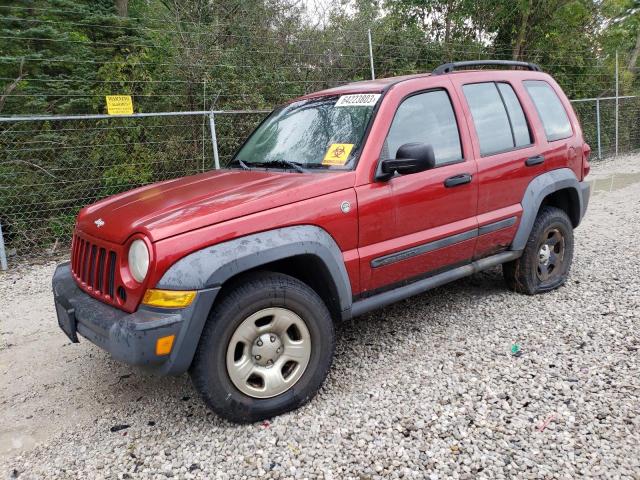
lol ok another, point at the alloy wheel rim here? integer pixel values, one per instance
(551, 252)
(268, 352)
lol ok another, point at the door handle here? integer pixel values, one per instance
(456, 180)
(537, 160)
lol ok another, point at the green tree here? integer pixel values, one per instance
(64, 54)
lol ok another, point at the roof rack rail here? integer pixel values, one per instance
(450, 67)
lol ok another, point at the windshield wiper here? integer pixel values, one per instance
(283, 164)
(237, 161)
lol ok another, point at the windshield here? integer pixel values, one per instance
(321, 133)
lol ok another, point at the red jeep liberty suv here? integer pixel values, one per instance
(340, 202)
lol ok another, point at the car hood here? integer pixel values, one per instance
(165, 209)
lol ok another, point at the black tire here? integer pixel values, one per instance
(247, 296)
(528, 274)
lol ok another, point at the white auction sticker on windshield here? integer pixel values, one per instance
(358, 100)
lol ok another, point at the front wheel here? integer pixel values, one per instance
(266, 348)
(546, 259)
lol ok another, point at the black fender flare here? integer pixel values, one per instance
(212, 266)
(539, 188)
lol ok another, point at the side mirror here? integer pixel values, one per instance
(410, 158)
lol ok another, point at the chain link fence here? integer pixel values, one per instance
(52, 167)
(64, 60)
(606, 132)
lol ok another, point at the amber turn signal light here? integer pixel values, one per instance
(168, 298)
(164, 345)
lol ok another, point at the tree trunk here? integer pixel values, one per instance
(633, 60)
(122, 7)
(12, 86)
(447, 31)
(522, 31)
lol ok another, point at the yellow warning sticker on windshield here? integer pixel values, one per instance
(337, 154)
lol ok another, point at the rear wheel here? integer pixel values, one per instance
(266, 348)
(546, 259)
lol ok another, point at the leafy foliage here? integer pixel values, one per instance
(64, 56)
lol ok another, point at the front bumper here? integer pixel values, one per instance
(131, 337)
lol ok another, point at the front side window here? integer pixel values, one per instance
(321, 133)
(550, 110)
(426, 118)
(497, 116)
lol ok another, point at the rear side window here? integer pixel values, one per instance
(550, 110)
(498, 117)
(426, 118)
(521, 133)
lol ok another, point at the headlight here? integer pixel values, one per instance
(138, 260)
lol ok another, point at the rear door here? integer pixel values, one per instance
(562, 143)
(508, 158)
(414, 225)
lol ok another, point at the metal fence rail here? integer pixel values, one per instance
(51, 166)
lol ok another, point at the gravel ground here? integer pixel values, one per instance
(427, 388)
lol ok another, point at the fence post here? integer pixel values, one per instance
(204, 125)
(598, 128)
(214, 140)
(373, 73)
(617, 103)
(3, 253)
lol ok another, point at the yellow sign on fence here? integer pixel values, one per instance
(119, 104)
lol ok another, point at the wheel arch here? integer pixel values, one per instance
(307, 268)
(306, 252)
(566, 199)
(559, 188)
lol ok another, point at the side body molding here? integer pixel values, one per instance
(538, 189)
(212, 266)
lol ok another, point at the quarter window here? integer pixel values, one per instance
(550, 110)
(497, 116)
(426, 118)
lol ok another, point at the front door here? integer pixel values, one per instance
(415, 225)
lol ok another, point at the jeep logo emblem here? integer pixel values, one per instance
(99, 223)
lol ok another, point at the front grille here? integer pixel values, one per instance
(94, 267)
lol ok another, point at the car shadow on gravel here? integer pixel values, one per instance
(122, 391)
(478, 286)
(393, 330)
